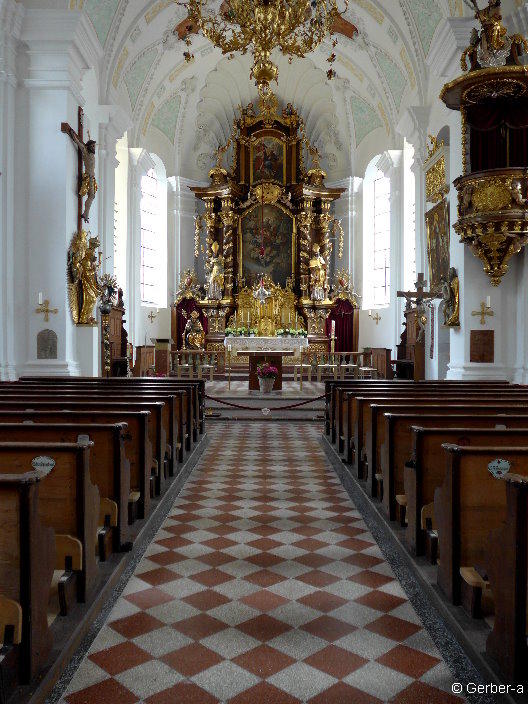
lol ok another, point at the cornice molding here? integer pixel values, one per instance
(449, 41)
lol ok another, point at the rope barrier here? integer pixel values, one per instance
(266, 410)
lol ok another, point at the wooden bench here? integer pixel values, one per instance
(424, 471)
(27, 559)
(469, 504)
(49, 401)
(393, 448)
(68, 502)
(368, 435)
(507, 568)
(184, 429)
(138, 448)
(109, 470)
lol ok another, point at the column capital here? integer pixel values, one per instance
(413, 126)
(11, 14)
(450, 39)
(61, 46)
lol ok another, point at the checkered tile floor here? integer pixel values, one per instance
(262, 586)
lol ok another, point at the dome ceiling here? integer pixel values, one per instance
(184, 110)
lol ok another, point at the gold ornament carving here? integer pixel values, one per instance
(84, 287)
(435, 181)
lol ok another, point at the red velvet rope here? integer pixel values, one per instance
(276, 408)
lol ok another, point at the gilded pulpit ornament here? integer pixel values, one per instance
(451, 299)
(193, 334)
(189, 286)
(294, 27)
(492, 97)
(84, 287)
(215, 286)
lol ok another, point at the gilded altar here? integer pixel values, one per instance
(266, 231)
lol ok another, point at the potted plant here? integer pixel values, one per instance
(228, 332)
(252, 332)
(266, 375)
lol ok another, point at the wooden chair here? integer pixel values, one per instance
(330, 366)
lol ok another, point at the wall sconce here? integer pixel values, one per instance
(376, 318)
(152, 316)
(485, 309)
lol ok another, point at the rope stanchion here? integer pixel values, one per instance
(275, 408)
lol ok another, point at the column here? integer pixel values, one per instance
(11, 14)
(185, 212)
(61, 45)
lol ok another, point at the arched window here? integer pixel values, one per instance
(409, 230)
(153, 268)
(376, 244)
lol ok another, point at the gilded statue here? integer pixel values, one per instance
(451, 299)
(492, 46)
(84, 287)
(193, 334)
(215, 286)
(318, 275)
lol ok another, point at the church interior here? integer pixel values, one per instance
(263, 425)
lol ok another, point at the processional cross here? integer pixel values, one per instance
(87, 185)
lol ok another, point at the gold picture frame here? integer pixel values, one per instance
(254, 143)
(438, 236)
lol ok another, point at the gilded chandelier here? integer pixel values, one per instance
(295, 27)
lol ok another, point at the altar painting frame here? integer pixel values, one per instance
(437, 227)
(258, 137)
(293, 237)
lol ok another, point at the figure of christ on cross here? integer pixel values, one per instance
(419, 296)
(86, 158)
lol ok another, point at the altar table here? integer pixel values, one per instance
(272, 357)
(268, 344)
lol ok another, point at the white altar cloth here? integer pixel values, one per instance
(280, 344)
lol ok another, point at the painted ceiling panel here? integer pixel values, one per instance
(101, 14)
(136, 74)
(166, 117)
(394, 76)
(366, 119)
(427, 16)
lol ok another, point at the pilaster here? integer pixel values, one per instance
(60, 46)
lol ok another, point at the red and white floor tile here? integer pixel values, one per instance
(263, 586)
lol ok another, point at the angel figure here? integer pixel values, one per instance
(83, 286)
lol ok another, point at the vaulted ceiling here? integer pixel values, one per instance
(184, 110)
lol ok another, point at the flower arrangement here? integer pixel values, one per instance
(267, 371)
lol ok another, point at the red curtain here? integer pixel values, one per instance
(187, 305)
(498, 135)
(343, 314)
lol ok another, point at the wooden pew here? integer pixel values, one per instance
(423, 472)
(363, 407)
(109, 470)
(469, 504)
(68, 502)
(394, 438)
(195, 388)
(27, 559)
(334, 390)
(182, 404)
(10, 401)
(138, 449)
(507, 568)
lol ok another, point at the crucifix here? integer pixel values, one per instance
(419, 295)
(483, 312)
(87, 185)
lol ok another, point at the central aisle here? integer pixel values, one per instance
(263, 586)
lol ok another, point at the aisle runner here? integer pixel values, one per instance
(263, 586)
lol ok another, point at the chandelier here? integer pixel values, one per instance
(295, 27)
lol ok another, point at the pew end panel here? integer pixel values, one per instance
(507, 569)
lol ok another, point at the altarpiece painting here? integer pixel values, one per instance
(268, 160)
(272, 228)
(437, 227)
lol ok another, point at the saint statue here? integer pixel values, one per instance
(450, 296)
(193, 334)
(493, 31)
(215, 286)
(318, 275)
(84, 287)
(88, 182)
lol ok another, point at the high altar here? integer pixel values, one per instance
(269, 236)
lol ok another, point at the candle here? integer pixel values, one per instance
(333, 328)
(296, 320)
(370, 314)
(488, 302)
(289, 318)
(40, 298)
